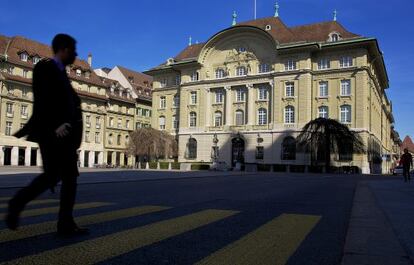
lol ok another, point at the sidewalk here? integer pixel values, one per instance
(381, 227)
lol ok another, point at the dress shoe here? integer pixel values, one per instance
(72, 231)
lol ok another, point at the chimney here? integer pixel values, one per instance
(90, 59)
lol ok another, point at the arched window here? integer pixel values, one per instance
(110, 138)
(346, 114)
(289, 114)
(218, 119)
(118, 140)
(289, 148)
(239, 118)
(323, 112)
(262, 116)
(335, 37)
(241, 71)
(193, 119)
(191, 150)
(162, 122)
(220, 73)
(126, 140)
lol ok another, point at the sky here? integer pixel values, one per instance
(141, 34)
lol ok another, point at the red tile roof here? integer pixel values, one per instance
(282, 34)
(408, 143)
(141, 83)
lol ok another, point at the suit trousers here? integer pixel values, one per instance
(59, 164)
(406, 172)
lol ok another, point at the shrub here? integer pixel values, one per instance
(263, 167)
(175, 165)
(153, 165)
(164, 165)
(200, 166)
(279, 168)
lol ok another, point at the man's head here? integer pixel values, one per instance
(405, 150)
(64, 47)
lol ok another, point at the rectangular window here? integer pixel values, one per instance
(119, 123)
(176, 101)
(163, 82)
(138, 125)
(345, 87)
(88, 121)
(111, 122)
(23, 57)
(163, 102)
(259, 152)
(323, 64)
(175, 122)
(239, 118)
(240, 95)
(241, 71)
(177, 80)
(139, 112)
(323, 89)
(290, 65)
(24, 92)
(194, 76)
(98, 122)
(25, 72)
(290, 89)
(219, 96)
(162, 123)
(127, 124)
(24, 111)
(346, 114)
(97, 137)
(345, 61)
(8, 127)
(193, 97)
(9, 109)
(262, 93)
(87, 136)
(264, 68)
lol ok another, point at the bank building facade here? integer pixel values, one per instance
(244, 95)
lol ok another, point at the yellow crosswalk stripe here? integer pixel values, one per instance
(49, 210)
(3, 199)
(106, 247)
(35, 202)
(272, 243)
(50, 227)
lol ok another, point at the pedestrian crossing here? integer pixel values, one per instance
(271, 243)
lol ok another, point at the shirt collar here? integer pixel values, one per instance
(59, 64)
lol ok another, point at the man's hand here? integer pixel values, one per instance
(63, 130)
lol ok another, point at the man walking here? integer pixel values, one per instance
(56, 125)
(406, 161)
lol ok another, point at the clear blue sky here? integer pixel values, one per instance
(143, 33)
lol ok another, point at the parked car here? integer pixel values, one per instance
(398, 170)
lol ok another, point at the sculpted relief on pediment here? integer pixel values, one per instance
(236, 56)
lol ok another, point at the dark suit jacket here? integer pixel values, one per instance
(55, 103)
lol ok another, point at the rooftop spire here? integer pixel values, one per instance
(190, 41)
(335, 13)
(234, 19)
(276, 9)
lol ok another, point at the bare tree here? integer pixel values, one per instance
(152, 143)
(328, 136)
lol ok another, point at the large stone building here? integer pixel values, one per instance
(109, 108)
(245, 94)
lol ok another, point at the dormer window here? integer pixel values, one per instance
(268, 27)
(170, 61)
(241, 71)
(334, 37)
(36, 59)
(220, 73)
(23, 56)
(131, 79)
(241, 49)
(78, 72)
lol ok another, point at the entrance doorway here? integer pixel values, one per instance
(7, 156)
(22, 153)
(86, 160)
(237, 151)
(33, 157)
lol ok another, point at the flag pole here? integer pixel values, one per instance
(255, 9)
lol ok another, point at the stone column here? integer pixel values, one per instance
(15, 156)
(39, 161)
(250, 105)
(1, 155)
(208, 108)
(91, 158)
(121, 158)
(82, 158)
(27, 154)
(229, 107)
(101, 158)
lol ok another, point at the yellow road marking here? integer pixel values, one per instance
(49, 210)
(106, 247)
(272, 243)
(50, 227)
(35, 202)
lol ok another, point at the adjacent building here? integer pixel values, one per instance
(109, 107)
(245, 93)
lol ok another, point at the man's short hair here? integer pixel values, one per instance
(62, 41)
(405, 149)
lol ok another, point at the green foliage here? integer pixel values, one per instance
(153, 165)
(164, 165)
(175, 165)
(200, 166)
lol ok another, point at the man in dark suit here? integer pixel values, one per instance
(56, 125)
